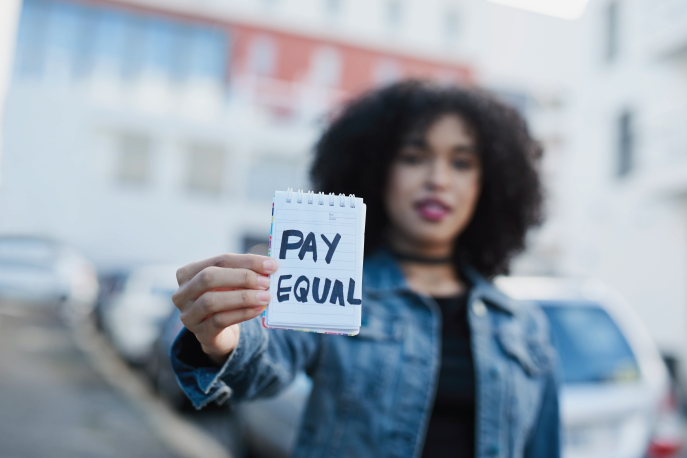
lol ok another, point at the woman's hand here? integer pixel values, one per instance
(217, 294)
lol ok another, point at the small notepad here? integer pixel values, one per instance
(317, 240)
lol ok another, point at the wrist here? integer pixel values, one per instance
(217, 358)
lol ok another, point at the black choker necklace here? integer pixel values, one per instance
(421, 259)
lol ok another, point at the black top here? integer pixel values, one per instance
(451, 431)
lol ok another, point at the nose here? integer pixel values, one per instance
(437, 175)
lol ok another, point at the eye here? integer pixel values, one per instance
(462, 164)
(411, 156)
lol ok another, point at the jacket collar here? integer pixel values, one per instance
(383, 274)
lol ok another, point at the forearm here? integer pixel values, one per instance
(263, 362)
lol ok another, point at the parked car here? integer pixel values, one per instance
(134, 311)
(43, 272)
(159, 367)
(617, 400)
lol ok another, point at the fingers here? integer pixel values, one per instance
(217, 302)
(211, 327)
(259, 264)
(213, 278)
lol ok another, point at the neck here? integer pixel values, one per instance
(428, 270)
(411, 249)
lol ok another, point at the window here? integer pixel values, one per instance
(205, 169)
(109, 42)
(612, 32)
(59, 40)
(626, 141)
(262, 56)
(451, 26)
(332, 7)
(31, 39)
(275, 173)
(62, 39)
(134, 159)
(591, 347)
(393, 13)
(207, 54)
(256, 245)
(385, 72)
(325, 66)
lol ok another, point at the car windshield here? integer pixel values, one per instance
(591, 347)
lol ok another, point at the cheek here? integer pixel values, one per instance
(468, 195)
(401, 187)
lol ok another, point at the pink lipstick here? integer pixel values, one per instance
(432, 209)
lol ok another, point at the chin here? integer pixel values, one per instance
(431, 238)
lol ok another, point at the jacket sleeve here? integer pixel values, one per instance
(264, 362)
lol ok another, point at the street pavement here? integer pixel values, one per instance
(54, 404)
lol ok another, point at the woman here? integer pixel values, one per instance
(444, 365)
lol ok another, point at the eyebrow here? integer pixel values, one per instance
(415, 141)
(420, 142)
(465, 149)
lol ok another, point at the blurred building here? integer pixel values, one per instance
(158, 131)
(9, 15)
(622, 177)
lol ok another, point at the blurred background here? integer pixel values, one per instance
(139, 135)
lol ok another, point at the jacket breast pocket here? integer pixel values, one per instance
(528, 351)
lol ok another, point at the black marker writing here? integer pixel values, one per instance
(285, 245)
(351, 290)
(331, 246)
(308, 245)
(337, 293)
(316, 290)
(301, 294)
(283, 297)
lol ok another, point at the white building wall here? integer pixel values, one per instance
(630, 231)
(9, 15)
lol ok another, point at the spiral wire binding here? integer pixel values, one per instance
(320, 199)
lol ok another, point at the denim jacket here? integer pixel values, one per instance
(373, 394)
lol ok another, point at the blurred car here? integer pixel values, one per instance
(159, 367)
(617, 400)
(43, 272)
(133, 312)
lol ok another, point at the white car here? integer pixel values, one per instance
(133, 316)
(617, 400)
(42, 272)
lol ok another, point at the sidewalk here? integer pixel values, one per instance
(61, 402)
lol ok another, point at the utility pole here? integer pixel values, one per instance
(9, 19)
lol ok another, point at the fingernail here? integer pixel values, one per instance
(264, 281)
(269, 265)
(260, 308)
(262, 296)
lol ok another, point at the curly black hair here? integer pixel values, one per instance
(354, 154)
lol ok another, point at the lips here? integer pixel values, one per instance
(432, 209)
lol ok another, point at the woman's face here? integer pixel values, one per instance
(433, 187)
